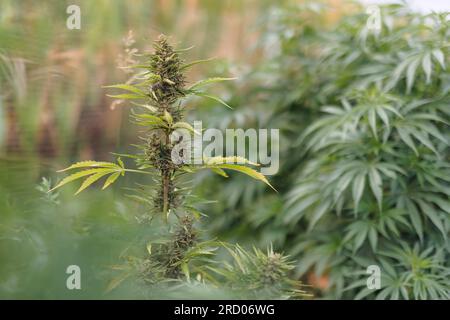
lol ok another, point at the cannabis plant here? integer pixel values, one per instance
(157, 90)
(376, 184)
(366, 177)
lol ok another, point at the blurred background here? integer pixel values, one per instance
(54, 111)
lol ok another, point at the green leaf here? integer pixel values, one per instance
(376, 186)
(429, 116)
(230, 159)
(138, 66)
(433, 131)
(360, 236)
(220, 172)
(185, 125)
(406, 138)
(78, 175)
(120, 162)
(373, 238)
(431, 213)
(318, 213)
(193, 63)
(90, 163)
(383, 116)
(427, 67)
(201, 94)
(397, 74)
(410, 74)
(185, 269)
(111, 179)
(126, 96)
(205, 82)
(168, 118)
(99, 169)
(415, 218)
(423, 138)
(90, 180)
(373, 122)
(150, 108)
(358, 188)
(183, 50)
(363, 293)
(115, 282)
(145, 119)
(439, 56)
(127, 87)
(246, 170)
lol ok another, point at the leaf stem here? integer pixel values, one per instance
(137, 171)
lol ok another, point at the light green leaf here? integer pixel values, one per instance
(79, 175)
(185, 125)
(183, 50)
(111, 179)
(220, 172)
(127, 87)
(373, 122)
(427, 67)
(433, 131)
(358, 188)
(373, 238)
(185, 269)
(406, 138)
(376, 186)
(151, 108)
(423, 138)
(246, 170)
(415, 218)
(193, 63)
(205, 82)
(230, 159)
(383, 116)
(168, 117)
(90, 163)
(145, 119)
(410, 74)
(201, 94)
(126, 96)
(437, 53)
(99, 169)
(318, 213)
(431, 213)
(90, 180)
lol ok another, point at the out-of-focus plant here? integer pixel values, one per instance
(157, 89)
(376, 182)
(66, 107)
(366, 177)
(44, 187)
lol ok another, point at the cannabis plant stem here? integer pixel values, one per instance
(165, 173)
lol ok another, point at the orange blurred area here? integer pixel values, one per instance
(54, 105)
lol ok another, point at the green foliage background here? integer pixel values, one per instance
(365, 158)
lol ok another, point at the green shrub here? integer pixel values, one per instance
(365, 172)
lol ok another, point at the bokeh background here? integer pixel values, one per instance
(53, 111)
